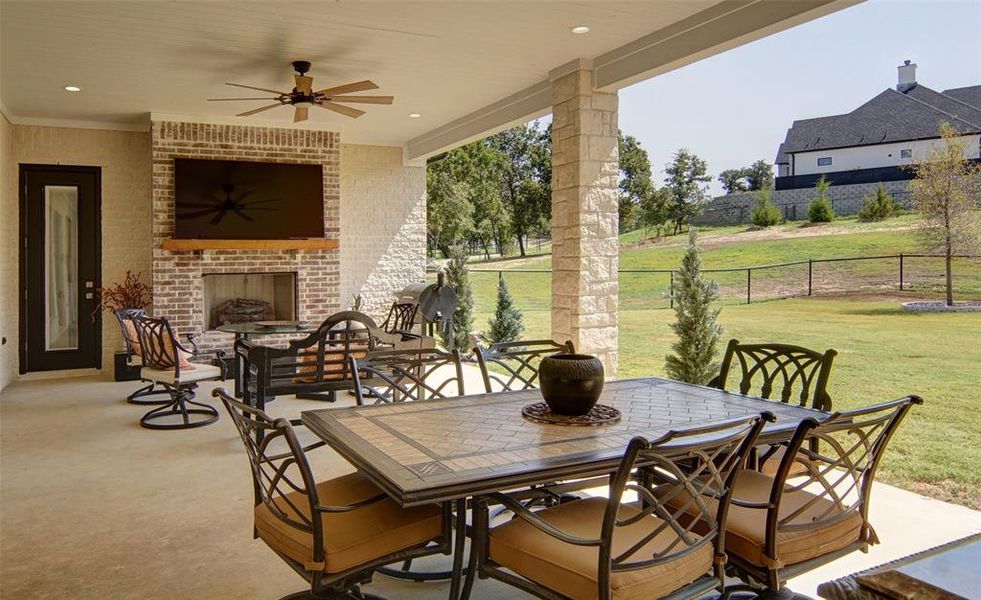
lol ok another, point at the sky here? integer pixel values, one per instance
(735, 108)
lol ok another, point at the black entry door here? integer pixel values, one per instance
(60, 268)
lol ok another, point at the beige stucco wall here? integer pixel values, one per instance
(9, 224)
(125, 160)
(383, 225)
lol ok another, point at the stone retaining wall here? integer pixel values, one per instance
(734, 209)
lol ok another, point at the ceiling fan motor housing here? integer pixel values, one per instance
(301, 66)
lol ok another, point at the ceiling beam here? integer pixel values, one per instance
(714, 30)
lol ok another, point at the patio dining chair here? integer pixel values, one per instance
(620, 548)
(407, 375)
(784, 525)
(134, 357)
(509, 366)
(334, 533)
(165, 362)
(780, 371)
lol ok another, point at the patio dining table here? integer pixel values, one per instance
(454, 449)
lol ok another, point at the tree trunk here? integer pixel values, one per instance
(950, 278)
(521, 244)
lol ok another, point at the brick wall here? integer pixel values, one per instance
(177, 282)
(736, 208)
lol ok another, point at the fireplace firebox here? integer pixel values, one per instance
(242, 297)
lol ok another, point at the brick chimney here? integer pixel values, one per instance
(907, 77)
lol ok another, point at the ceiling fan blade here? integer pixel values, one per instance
(364, 99)
(360, 86)
(215, 205)
(340, 108)
(243, 215)
(197, 213)
(257, 110)
(221, 215)
(300, 114)
(304, 84)
(255, 202)
(236, 99)
(252, 87)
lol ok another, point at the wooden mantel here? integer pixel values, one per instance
(297, 244)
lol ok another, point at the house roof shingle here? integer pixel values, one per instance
(891, 116)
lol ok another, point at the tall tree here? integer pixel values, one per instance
(686, 180)
(733, 180)
(521, 189)
(635, 179)
(449, 211)
(693, 358)
(947, 192)
(759, 175)
(457, 335)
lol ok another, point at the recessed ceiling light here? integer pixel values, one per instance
(579, 29)
(414, 115)
(72, 88)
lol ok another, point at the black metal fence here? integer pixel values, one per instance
(853, 274)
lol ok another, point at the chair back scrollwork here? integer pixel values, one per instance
(122, 316)
(282, 478)
(509, 366)
(839, 476)
(766, 369)
(158, 344)
(407, 375)
(685, 483)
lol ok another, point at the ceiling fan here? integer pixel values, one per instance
(302, 96)
(223, 206)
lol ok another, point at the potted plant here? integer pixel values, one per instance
(130, 293)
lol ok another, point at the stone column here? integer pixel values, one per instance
(585, 247)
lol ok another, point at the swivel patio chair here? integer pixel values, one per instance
(401, 318)
(616, 548)
(334, 533)
(165, 362)
(134, 357)
(784, 525)
(508, 366)
(794, 372)
(407, 375)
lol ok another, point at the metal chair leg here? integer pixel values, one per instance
(147, 391)
(177, 407)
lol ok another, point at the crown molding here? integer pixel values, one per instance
(78, 124)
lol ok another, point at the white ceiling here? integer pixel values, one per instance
(441, 59)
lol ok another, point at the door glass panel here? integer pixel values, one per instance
(61, 267)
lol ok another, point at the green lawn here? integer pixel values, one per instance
(884, 353)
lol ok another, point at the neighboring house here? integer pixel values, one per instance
(874, 142)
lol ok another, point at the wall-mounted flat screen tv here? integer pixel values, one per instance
(236, 200)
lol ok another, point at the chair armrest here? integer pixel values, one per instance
(521, 512)
(352, 506)
(192, 340)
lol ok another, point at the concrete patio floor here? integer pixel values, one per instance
(93, 506)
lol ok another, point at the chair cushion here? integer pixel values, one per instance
(351, 538)
(773, 462)
(197, 372)
(131, 338)
(334, 366)
(573, 570)
(746, 527)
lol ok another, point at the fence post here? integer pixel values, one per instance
(810, 272)
(671, 289)
(900, 271)
(749, 286)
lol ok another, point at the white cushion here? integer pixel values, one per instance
(199, 372)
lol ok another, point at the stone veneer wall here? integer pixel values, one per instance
(177, 282)
(383, 225)
(124, 157)
(734, 209)
(8, 254)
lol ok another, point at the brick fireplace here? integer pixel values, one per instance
(178, 275)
